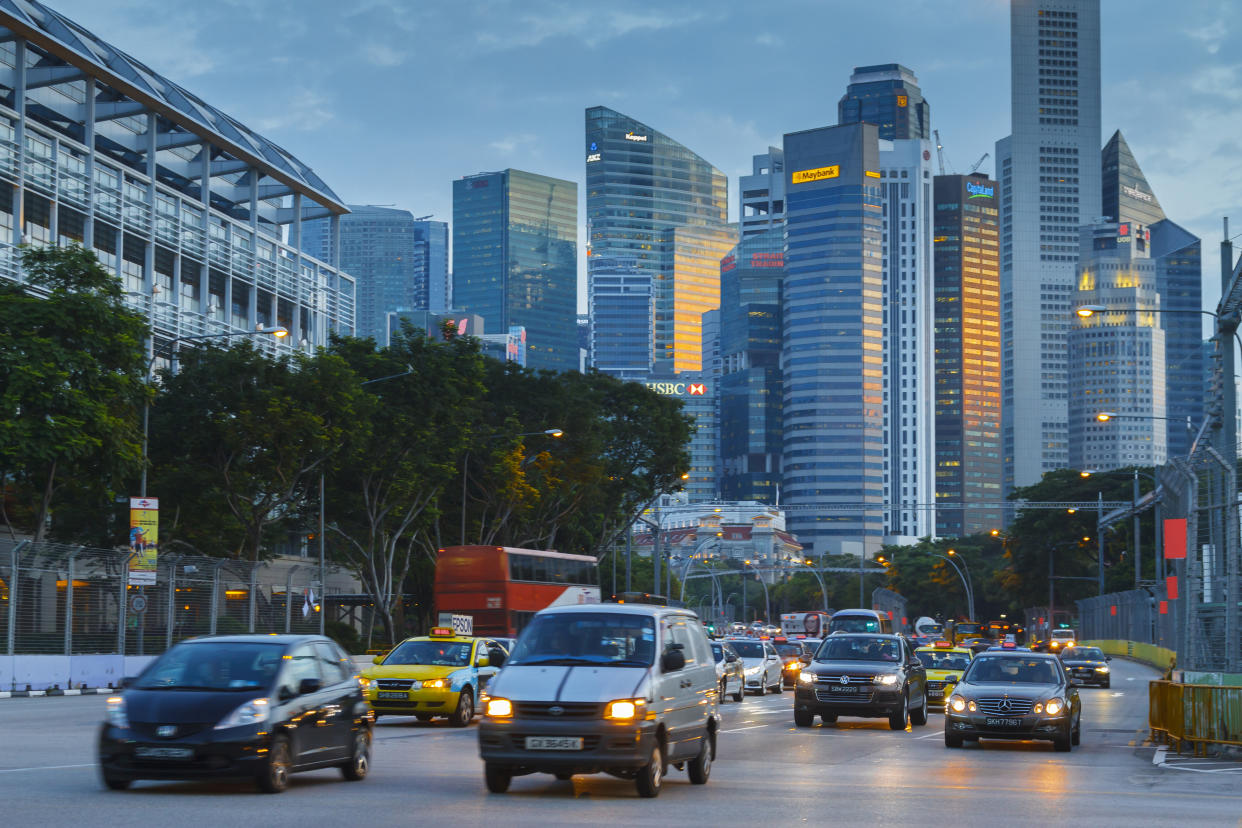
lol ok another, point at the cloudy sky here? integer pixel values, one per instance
(390, 100)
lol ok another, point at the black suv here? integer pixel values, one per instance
(862, 674)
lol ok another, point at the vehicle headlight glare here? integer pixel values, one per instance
(753, 671)
(622, 709)
(254, 711)
(364, 683)
(888, 680)
(116, 712)
(957, 704)
(437, 684)
(806, 678)
(1054, 706)
(499, 708)
(1101, 669)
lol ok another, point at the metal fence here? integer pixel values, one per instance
(1194, 715)
(891, 603)
(1141, 615)
(71, 600)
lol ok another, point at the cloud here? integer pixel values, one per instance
(511, 144)
(305, 110)
(590, 26)
(377, 54)
(1211, 35)
(769, 39)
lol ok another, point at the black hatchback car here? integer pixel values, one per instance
(242, 706)
(1087, 665)
(862, 674)
(1013, 694)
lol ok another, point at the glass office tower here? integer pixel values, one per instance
(887, 95)
(515, 260)
(642, 187)
(832, 348)
(967, 307)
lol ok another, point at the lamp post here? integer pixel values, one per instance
(767, 604)
(1158, 542)
(547, 432)
(970, 598)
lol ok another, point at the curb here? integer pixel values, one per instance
(28, 694)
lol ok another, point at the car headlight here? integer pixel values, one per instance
(957, 704)
(806, 678)
(116, 712)
(753, 671)
(437, 684)
(364, 683)
(1054, 706)
(498, 708)
(887, 680)
(624, 709)
(252, 712)
(1101, 669)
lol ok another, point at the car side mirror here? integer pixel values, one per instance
(308, 685)
(1108, 658)
(673, 659)
(950, 679)
(805, 659)
(731, 658)
(379, 659)
(481, 661)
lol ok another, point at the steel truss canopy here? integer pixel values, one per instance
(71, 77)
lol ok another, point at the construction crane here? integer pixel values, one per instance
(983, 158)
(939, 150)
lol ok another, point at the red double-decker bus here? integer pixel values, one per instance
(503, 587)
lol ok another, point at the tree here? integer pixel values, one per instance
(71, 384)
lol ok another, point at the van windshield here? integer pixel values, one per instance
(597, 638)
(854, 624)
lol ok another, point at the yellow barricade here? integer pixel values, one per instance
(1194, 714)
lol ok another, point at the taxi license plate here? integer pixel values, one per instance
(145, 752)
(554, 743)
(935, 694)
(994, 722)
(390, 694)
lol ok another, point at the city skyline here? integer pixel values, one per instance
(319, 109)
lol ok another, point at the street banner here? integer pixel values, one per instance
(1175, 539)
(144, 536)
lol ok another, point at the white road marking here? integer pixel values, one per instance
(1115, 695)
(46, 767)
(1158, 758)
(930, 736)
(739, 729)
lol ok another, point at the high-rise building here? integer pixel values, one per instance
(515, 260)
(832, 348)
(750, 386)
(697, 393)
(888, 96)
(189, 207)
(1117, 355)
(382, 249)
(432, 238)
(968, 344)
(763, 193)
(1049, 175)
(659, 211)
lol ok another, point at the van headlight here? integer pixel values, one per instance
(254, 711)
(116, 712)
(498, 708)
(1054, 706)
(624, 709)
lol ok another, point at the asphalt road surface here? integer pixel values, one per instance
(767, 773)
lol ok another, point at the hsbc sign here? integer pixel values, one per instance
(679, 389)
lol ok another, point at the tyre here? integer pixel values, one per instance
(803, 718)
(274, 777)
(1076, 736)
(720, 693)
(1064, 742)
(1107, 683)
(359, 763)
(741, 690)
(465, 709)
(828, 718)
(900, 714)
(651, 775)
(951, 741)
(779, 687)
(497, 777)
(763, 688)
(700, 767)
(919, 718)
(115, 783)
(423, 717)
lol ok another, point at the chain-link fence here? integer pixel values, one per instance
(1140, 615)
(71, 600)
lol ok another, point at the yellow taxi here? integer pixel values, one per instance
(945, 664)
(442, 674)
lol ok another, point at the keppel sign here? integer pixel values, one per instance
(629, 136)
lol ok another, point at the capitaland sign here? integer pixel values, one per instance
(817, 174)
(629, 136)
(979, 191)
(678, 389)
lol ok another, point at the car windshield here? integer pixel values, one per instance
(606, 638)
(748, 649)
(854, 624)
(1010, 670)
(969, 629)
(436, 653)
(932, 629)
(214, 665)
(789, 649)
(937, 660)
(859, 648)
(1084, 653)
(1065, 635)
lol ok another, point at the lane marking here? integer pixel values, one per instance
(740, 729)
(930, 736)
(46, 767)
(1159, 757)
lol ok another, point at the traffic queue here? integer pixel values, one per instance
(628, 689)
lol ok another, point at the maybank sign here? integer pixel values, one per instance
(978, 190)
(679, 389)
(817, 174)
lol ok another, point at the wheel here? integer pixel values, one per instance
(651, 775)
(115, 783)
(721, 692)
(465, 709)
(423, 717)
(1076, 736)
(951, 741)
(564, 776)
(741, 690)
(1108, 682)
(359, 762)
(779, 687)
(900, 716)
(763, 688)
(1064, 742)
(919, 718)
(700, 768)
(803, 718)
(274, 777)
(828, 718)
(497, 777)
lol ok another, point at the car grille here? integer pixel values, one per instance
(567, 710)
(1016, 707)
(936, 685)
(149, 730)
(827, 695)
(394, 684)
(822, 679)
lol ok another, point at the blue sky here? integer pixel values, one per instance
(390, 100)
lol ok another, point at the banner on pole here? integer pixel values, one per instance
(144, 536)
(1175, 539)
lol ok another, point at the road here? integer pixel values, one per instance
(768, 773)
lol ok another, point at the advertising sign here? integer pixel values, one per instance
(817, 174)
(144, 537)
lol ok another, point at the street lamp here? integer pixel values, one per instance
(1158, 543)
(970, 598)
(465, 460)
(970, 582)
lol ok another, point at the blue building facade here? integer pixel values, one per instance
(887, 95)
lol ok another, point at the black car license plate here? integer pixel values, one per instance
(390, 694)
(845, 689)
(151, 752)
(991, 721)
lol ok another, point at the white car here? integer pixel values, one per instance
(761, 664)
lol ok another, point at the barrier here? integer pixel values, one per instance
(1159, 657)
(1194, 714)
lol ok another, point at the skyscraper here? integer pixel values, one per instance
(515, 260)
(1049, 176)
(887, 95)
(432, 238)
(832, 348)
(968, 370)
(658, 210)
(762, 193)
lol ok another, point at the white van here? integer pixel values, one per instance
(625, 689)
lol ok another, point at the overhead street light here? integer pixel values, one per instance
(465, 460)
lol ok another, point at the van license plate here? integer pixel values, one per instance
(554, 743)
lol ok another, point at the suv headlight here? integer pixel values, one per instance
(624, 709)
(1101, 669)
(364, 683)
(116, 712)
(252, 712)
(806, 678)
(1054, 706)
(498, 708)
(887, 680)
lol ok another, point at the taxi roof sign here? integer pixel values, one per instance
(943, 645)
(442, 632)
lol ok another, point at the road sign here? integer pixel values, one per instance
(138, 603)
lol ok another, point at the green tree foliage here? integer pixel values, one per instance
(71, 389)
